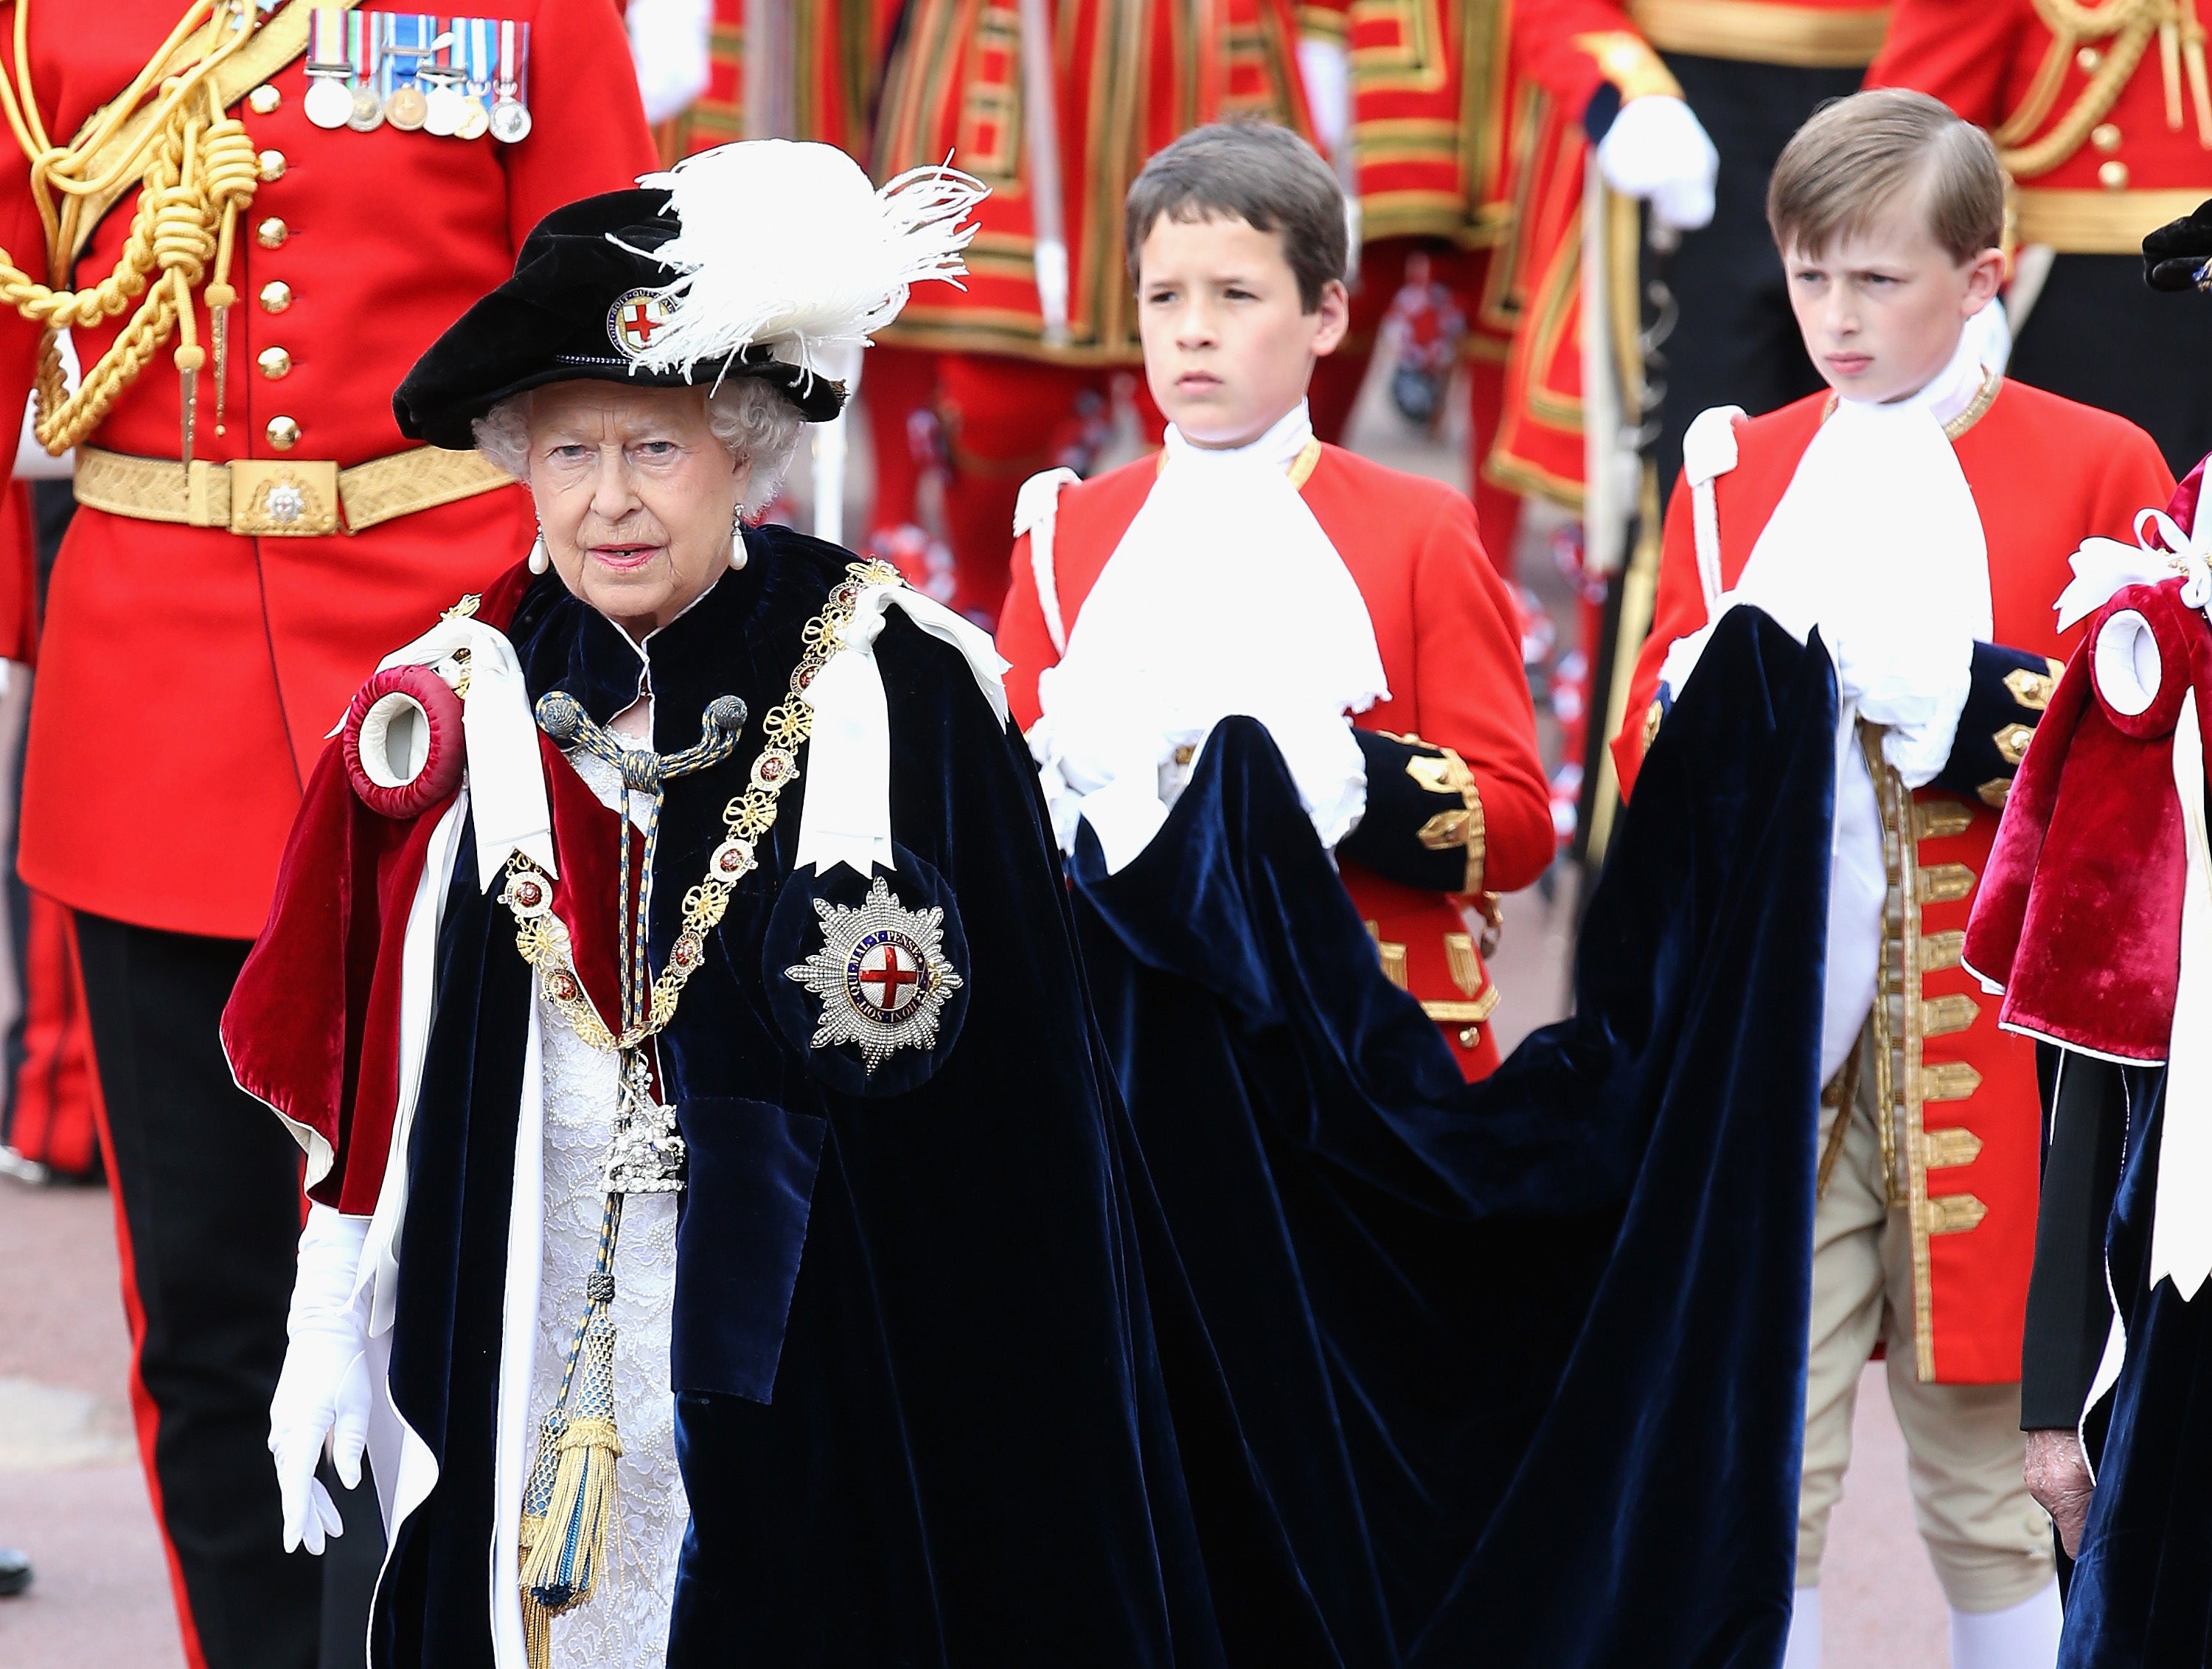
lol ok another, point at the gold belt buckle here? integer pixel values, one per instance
(284, 498)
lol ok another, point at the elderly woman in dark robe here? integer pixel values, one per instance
(720, 1240)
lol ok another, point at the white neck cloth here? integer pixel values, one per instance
(1223, 596)
(1878, 542)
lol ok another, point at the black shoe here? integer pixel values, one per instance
(14, 1572)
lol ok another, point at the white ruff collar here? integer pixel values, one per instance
(1223, 596)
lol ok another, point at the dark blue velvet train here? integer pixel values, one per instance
(2141, 1597)
(1520, 1365)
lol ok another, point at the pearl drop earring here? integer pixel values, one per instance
(540, 557)
(738, 540)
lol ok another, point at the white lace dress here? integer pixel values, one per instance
(624, 1625)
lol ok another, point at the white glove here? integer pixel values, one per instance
(323, 1394)
(1326, 68)
(1656, 150)
(1916, 686)
(668, 41)
(1684, 652)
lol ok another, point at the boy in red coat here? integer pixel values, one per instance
(1920, 514)
(1250, 568)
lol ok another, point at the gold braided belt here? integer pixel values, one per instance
(282, 497)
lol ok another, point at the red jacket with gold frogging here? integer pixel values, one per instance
(2045, 474)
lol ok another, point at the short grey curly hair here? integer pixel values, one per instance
(752, 419)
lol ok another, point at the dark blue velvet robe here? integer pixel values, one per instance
(1520, 1363)
(2141, 1597)
(968, 1458)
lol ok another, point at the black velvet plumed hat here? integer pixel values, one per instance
(747, 260)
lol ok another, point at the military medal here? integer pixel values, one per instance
(476, 119)
(881, 973)
(328, 103)
(441, 101)
(510, 115)
(361, 57)
(404, 107)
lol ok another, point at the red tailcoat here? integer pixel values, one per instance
(2045, 474)
(189, 675)
(1444, 624)
(2101, 152)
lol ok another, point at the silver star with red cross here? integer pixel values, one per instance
(881, 973)
(634, 319)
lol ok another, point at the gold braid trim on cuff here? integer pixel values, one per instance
(1463, 827)
(1626, 59)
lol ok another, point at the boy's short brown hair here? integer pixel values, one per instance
(1857, 155)
(1265, 176)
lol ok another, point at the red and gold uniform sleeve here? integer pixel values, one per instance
(1325, 19)
(1678, 610)
(1570, 48)
(1471, 694)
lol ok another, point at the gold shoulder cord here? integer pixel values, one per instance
(197, 169)
(2129, 26)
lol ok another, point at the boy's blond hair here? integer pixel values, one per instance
(1859, 154)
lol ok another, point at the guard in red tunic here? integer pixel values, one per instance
(291, 204)
(1922, 515)
(1376, 582)
(2103, 118)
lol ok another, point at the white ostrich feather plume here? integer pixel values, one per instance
(785, 244)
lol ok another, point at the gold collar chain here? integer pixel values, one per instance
(544, 941)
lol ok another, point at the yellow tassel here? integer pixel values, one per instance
(565, 1564)
(537, 1621)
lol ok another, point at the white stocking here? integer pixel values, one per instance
(1804, 1648)
(2023, 1636)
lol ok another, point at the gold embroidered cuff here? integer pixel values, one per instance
(1627, 61)
(1324, 23)
(1463, 827)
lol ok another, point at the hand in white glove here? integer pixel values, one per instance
(323, 1393)
(668, 42)
(1914, 683)
(1658, 150)
(1326, 68)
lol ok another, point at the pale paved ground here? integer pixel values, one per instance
(72, 1494)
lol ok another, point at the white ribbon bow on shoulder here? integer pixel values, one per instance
(847, 817)
(2104, 567)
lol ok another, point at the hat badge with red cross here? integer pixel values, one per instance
(636, 317)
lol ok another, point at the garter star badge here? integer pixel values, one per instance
(881, 975)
